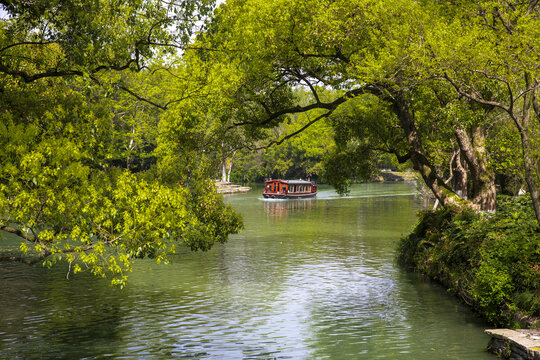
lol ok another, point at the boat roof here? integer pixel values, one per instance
(292, 182)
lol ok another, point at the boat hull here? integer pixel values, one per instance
(288, 196)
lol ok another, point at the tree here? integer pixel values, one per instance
(64, 122)
(61, 196)
(494, 62)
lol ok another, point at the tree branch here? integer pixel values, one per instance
(28, 78)
(401, 158)
(300, 109)
(532, 6)
(491, 77)
(139, 97)
(536, 106)
(475, 97)
(27, 43)
(507, 27)
(278, 142)
(47, 251)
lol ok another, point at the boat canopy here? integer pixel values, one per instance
(292, 182)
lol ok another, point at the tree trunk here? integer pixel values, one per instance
(229, 169)
(535, 89)
(129, 149)
(482, 191)
(531, 173)
(230, 165)
(523, 125)
(224, 168)
(460, 180)
(419, 160)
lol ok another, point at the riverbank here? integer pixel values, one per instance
(491, 261)
(515, 344)
(392, 176)
(230, 188)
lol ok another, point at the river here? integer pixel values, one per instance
(306, 279)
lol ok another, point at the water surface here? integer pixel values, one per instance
(306, 279)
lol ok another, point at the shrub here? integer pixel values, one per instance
(490, 261)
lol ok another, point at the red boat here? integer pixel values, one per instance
(289, 189)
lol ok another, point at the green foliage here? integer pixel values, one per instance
(346, 165)
(299, 156)
(364, 129)
(491, 261)
(60, 188)
(59, 38)
(390, 162)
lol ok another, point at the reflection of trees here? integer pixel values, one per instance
(46, 316)
(283, 208)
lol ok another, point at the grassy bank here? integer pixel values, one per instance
(491, 261)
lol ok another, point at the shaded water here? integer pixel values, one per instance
(306, 279)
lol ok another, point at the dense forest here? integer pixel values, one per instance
(118, 115)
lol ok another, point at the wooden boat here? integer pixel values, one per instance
(289, 189)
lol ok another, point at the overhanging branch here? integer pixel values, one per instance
(280, 141)
(331, 106)
(474, 97)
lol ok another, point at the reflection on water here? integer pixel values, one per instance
(281, 208)
(306, 279)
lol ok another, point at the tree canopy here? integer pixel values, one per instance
(117, 114)
(441, 81)
(86, 172)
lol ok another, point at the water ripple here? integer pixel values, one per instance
(305, 280)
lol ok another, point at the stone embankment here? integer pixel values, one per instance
(229, 188)
(515, 344)
(394, 176)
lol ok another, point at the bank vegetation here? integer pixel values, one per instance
(490, 261)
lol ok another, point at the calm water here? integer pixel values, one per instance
(306, 279)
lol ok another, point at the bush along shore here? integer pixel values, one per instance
(491, 261)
